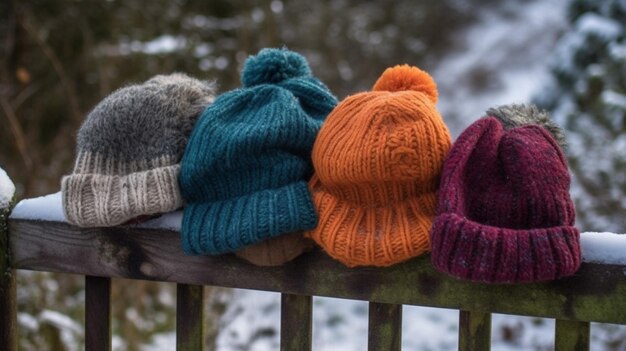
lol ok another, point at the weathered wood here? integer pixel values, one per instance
(296, 322)
(571, 335)
(97, 313)
(8, 309)
(189, 317)
(474, 331)
(385, 327)
(595, 293)
(8, 312)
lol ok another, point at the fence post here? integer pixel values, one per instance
(571, 335)
(8, 308)
(385, 327)
(474, 331)
(189, 317)
(296, 322)
(97, 313)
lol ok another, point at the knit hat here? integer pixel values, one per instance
(129, 149)
(505, 214)
(378, 159)
(277, 250)
(245, 170)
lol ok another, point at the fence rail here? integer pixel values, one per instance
(595, 293)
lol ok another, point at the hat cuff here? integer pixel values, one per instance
(98, 200)
(381, 236)
(229, 225)
(483, 253)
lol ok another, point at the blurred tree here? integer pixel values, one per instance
(587, 96)
(60, 58)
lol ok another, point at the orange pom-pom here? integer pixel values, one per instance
(405, 77)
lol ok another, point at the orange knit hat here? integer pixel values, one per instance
(378, 160)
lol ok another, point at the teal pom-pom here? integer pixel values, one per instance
(271, 66)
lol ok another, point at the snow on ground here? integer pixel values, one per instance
(7, 189)
(70, 330)
(253, 324)
(160, 342)
(27, 321)
(521, 333)
(338, 324)
(500, 60)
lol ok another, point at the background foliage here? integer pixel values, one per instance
(587, 96)
(60, 58)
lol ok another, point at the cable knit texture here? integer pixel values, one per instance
(245, 170)
(505, 214)
(378, 160)
(129, 149)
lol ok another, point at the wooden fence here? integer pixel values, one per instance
(596, 293)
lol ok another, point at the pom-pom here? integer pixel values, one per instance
(271, 66)
(513, 116)
(405, 77)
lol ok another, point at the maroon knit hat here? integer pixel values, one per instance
(505, 214)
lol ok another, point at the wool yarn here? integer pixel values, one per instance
(129, 149)
(245, 169)
(276, 251)
(377, 160)
(505, 214)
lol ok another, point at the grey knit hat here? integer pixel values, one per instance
(129, 149)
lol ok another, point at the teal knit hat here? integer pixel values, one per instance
(245, 169)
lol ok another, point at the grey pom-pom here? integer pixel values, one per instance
(515, 115)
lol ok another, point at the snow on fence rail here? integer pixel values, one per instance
(41, 240)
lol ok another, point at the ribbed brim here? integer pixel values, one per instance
(227, 226)
(478, 252)
(101, 200)
(373, 236)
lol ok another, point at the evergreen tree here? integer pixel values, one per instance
(587, 96)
